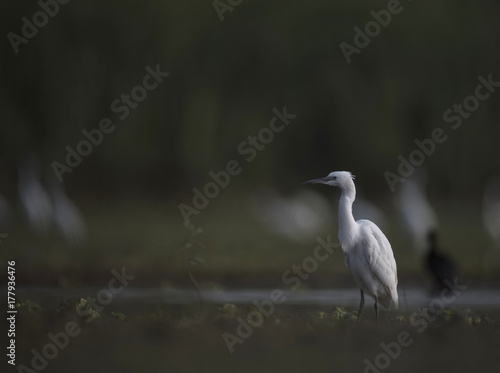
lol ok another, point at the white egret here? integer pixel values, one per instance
(367, 251)
(298, 217)
(34, 198)
(418, 215)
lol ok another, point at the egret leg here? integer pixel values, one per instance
(376, 309)
(361, 304)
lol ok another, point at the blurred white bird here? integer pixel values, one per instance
(35, 201)
(367, 251)
(68, 219)
(491, 209)
(45, 212)
(299, 217)
(418, 215)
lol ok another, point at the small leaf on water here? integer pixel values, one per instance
(229, 308)
(82, 305)
(118, 316)
(27, 307)
(401, 319)
(340, 313)
(322, 315)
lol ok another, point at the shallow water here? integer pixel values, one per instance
(137, 299)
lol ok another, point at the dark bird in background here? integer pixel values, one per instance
(441, 268)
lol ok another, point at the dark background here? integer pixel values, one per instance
(225, 79)
(227, 76)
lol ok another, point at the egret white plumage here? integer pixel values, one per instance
(298, 217)
(418, 215)
(34, 198)
(367, 251)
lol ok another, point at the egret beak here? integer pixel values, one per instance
(322, 180)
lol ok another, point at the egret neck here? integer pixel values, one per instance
(347, 225)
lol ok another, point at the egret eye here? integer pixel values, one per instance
(335, 178)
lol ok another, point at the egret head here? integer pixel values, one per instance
(341, 179)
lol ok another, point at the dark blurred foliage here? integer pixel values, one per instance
(226, 77)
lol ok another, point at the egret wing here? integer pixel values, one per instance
(346, 260)
(379, 255)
